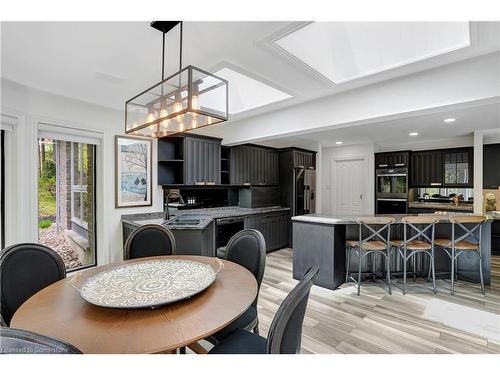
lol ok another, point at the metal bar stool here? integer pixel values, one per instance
(377, 241)
(419, 242)
(459, 245)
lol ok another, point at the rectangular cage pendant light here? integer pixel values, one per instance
(190, 99)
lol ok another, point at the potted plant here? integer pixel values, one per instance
(491, 200)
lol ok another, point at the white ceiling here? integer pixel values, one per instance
(395, 133)
(107, 63)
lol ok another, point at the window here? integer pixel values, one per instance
(66, 200)
(80, 204)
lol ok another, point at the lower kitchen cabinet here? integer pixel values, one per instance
(273, 226)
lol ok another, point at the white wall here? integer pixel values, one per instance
(328, 154)
(31, 106)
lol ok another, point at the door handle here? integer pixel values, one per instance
(360, 196)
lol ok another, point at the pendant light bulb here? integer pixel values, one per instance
(195, 100)
(178, 108)
(164, 113)
(151, 116)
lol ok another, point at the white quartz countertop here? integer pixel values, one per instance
(349, 219)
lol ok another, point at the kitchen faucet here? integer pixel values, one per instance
(181, 201)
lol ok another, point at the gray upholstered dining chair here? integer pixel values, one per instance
(149, 241)
(285, 332)
(25, 269)
(248, 249)
(18, 341)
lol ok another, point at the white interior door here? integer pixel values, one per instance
(349, 185)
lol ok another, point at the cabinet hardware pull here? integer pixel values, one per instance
(383, 165)
(399, 164)
(435, 183)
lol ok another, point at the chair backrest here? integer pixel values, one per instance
(469, 225)
(285, 333)
(17, 341)
(468, 219)
(24, 270)
(248, 249)
(421, 226)
(148, 241)
(377, 228)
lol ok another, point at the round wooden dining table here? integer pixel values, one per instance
(59, 311)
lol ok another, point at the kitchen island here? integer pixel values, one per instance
(320, 240)
(202, 233)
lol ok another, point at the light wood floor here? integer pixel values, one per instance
(375, 322)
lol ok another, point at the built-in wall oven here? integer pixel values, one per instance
(225, 229)
(391, 190)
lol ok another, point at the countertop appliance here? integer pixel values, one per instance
(391, 190)
(225, 229)
(304, 191)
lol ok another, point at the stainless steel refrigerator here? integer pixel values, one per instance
(304, 191)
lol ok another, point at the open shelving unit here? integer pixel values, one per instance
(171, 161)
(224, 165)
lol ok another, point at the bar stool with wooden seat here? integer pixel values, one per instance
(459, 245)
(419, 242)
(375, 242)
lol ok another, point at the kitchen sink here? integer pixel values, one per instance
(183, 220)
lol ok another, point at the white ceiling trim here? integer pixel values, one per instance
(269, 44)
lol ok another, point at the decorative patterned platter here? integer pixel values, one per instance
(148, 284)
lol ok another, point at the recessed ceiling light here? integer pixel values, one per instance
(339, 142)
(413, 134)
(449, 120)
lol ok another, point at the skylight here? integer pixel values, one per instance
(343, 51)
(246, 93)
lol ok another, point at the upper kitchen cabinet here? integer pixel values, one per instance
(491, 168)
(304, 159)
(398, 159)
(426, 168)
(253, 165)
(458, 167)
(446, 167)
(189, 160)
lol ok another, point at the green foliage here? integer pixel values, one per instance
(46, 197)
(43, 224)
(49, 169)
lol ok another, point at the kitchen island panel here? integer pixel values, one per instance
(315, 245)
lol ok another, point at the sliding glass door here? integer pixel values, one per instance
(66, 200)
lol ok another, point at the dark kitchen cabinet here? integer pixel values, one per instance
(458, 167)
(273, 226)
(202, 160)
(304, 159)
(491, 166)
(253, 165)
(400, 159)
(189, 160)
(426, 168)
